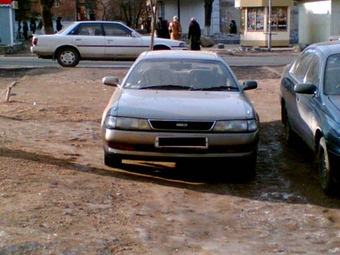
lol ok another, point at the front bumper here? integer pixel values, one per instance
(143, 145)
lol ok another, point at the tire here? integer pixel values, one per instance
(289, 134)
(112, 161)
(327, 181)
(68, 57)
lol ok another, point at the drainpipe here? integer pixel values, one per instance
(179, 10)
(11, 23)
(270, 26)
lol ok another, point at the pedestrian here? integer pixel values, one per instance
(59, 26)
(194, 35)
(232, 27)
(162, 28)
(175, 29)
(33, 26)
(25, 30)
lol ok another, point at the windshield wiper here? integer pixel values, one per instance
(218, 88)
(166, 87)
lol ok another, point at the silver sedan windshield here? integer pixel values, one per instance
(181, 74)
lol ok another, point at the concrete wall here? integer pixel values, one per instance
(228, 12)
(314, 22)
(188, 10)
(335, 24)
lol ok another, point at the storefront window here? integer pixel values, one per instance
(255, 19)
(279, 18)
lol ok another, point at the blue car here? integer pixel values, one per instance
(310, 107)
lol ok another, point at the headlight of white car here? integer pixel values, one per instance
(235, 126)
(112, 122)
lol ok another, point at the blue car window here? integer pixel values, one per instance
(332, 75)
(301, 65)
(313, 72)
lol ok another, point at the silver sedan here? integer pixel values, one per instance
(180, 105)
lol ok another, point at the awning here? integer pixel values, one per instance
(6, 1)
(258, 3)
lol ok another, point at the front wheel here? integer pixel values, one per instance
(327, 180)
(68, 57)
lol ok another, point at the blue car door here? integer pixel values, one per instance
(295, 103)
(307, 103)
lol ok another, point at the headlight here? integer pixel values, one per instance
(126, 123)
(235, 126)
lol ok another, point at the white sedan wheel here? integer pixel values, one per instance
(68, 57)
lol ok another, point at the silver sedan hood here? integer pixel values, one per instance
(188, 105)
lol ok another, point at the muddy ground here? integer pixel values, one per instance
(57, 197)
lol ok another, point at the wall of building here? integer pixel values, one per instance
(228, 12)
(314, 21)
(189, 10)
(65, 9)
(335, 24)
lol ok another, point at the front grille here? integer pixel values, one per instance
(179, 125)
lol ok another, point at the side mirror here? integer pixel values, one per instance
(249, 84)
(110, 81)
(305, 88)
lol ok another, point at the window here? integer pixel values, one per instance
(116, 30)
(88, 29)
(255, 19)
(332, 75)
(279, 18)
(313, 73)
(300, 67)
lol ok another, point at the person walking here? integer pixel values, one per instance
(194, 35)
(175, 29)
(59, 26)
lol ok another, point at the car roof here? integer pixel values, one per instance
(96, 21)
(180, 54)
(327, 47)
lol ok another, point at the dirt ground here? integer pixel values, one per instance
(57, 197)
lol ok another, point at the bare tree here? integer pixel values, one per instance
(46, 15)
(104, 7)
(207, 19)
(154, 10)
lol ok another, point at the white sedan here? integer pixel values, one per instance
(180, 105)
(97, 40)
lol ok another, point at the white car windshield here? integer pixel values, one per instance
(181, 74)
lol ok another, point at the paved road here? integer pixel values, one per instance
(34, 62)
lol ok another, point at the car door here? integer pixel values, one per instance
(89, 39)
(307, 104)
(293, 106)
(122, 42)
